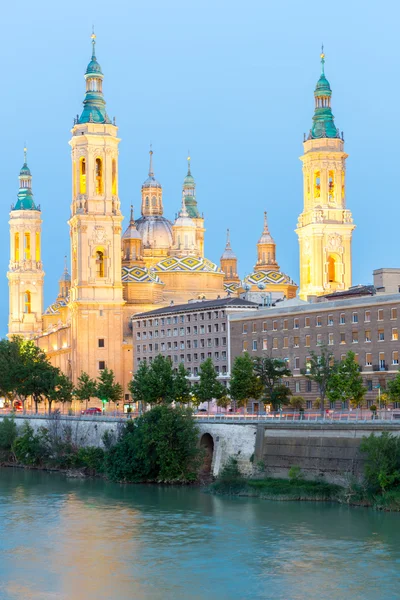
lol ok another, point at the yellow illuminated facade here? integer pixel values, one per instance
(325, 226)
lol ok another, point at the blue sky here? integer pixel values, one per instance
(233, 81)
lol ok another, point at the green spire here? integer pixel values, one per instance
(94, 105)
(25, 196)
(189, 193)
(323, 123)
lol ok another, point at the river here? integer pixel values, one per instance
(69, 539)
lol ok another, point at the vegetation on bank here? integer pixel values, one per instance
(160, 446)
(379, 489)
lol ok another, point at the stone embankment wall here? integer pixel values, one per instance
(322, 450)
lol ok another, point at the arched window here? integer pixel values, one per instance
(16, 247)
(27, 246)
(82, 176)
(342, 185)
(37, 246)
(114, 177)
(99, 176)
(147, 202)
(333, 268)
(317, 184)
(99, 263)
(27, 302)
(74, 178)
(154, 201)
(331, 181)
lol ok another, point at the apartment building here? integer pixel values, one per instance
(359, 320)
(189, 334)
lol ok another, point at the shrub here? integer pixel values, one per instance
(161, 445)
(91, 458)
(382, 469)
(8, 433)
(31, 448)
(295, 474)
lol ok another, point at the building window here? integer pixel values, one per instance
(37, 246)
(264, 326)
(102, 363)
(367, 335)
(354, 337)
(27, 303)
(307, 322)
(308, 341)
(381, 335)
(101, 343)
(82, 176)
(342, 319)
(393, 313)
(319, 339)
(275, 326)
(99, 264)
(395, 357)
(309, 404)
(343, 338)
(382, 361)
(286, 342)
(380, 314)
(254, 345)
(254, 328)
(16, 247)
(265, 345)
(295, 323)
(367, 316)
(319, 322)
(355, 317)
(296, 342)
(27, 246)
(395, 334)
(113, 177)
(369, 385)
(297, 367)
(99, 176)
(285, 324)
(309, 385)
(330, 320)
(245, 345)
(275, 344)
(297, 386)
(244, 328)
(330, 339)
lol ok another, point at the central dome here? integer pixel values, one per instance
(155, 230)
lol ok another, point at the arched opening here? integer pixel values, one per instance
(99, 176)
(331, 181)
(74, 178)
(308, 272)
(317, 184)
(27, 246)
(154, 202)
(82, 176)
(207, 445)
(99, 263)
(333, 268)
(147, 202)
(27, 302)
(114, 177)
(37, 246)
(16, 247)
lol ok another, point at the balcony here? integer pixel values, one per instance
(383, 367)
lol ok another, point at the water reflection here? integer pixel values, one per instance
(73, 539)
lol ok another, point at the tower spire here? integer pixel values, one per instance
(94, 105)
(151, 172)
(25, 196)
(323, 121)
(322, 60)
(188, 159)
(131, 220)
(93, 38)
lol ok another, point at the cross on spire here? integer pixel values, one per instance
(151, 172)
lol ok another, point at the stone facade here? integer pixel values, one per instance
(369, 326)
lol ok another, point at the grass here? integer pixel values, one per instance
(279, 489)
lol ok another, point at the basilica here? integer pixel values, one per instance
(116, 273)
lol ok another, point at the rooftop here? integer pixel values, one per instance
(198, 305)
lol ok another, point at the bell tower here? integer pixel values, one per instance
(325, 226)
(96, 299)
(25, 272)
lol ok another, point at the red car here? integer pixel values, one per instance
(93, 410)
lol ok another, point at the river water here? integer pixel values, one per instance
(68, 539)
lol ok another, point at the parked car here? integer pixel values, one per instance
(93, 410)
(18, 405)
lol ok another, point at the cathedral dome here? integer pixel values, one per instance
(155, 231)
(151, 182)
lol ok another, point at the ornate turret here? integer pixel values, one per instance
(266, 248)
(25, 196)
(132, 247)
(151, 193)
(184, 232)
(323, 120)
(228, 262)
(189, 194)
(94, 105)
(64, 283)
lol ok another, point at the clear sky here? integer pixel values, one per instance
(231, 80)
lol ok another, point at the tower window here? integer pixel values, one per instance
(114, 177)
(99, 176)
(82, 176)
(147, 202)
(154, 202)
(102, 365)
(317, 184)
(27, 303)
(27, 246)
(333, 268)
(37, 246)
(99, 264)
(331, 180)
(16, 247)
(101, 342)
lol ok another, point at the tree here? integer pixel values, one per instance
(297, 402)
(36, 374)
(393, 388)
(270, 372)
(85, 389)
(224, 401)
(138, 386)
(346, 382)
(106, 388)
(320, 368)
(208, 388)
(63, 389)
(244, 383)
(181, 386)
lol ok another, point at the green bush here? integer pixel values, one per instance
(8, 433)
(91, 458)
(31, 448)
(295, 474)
(161, 446)
(230, 479)
(382, 469)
